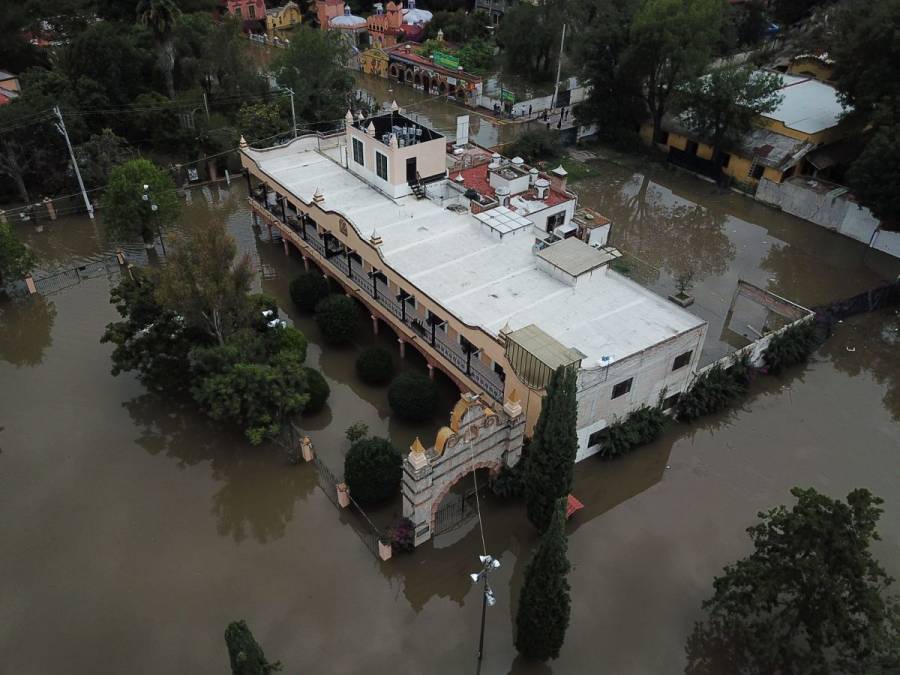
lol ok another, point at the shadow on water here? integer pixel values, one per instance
(26, 329)
(258, 490)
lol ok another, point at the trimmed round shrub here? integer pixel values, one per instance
(374, 365)
(318, 391)
(372, 470)
(412, 397)
(288, 339)
(308, 290)
(337, 318)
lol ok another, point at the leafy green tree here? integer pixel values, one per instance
(126, 212)
(314, 66)
(875, 174)
(337, 318)
(477, 55)
(459, 25)
(722, 104)
(670, 43)
(151, 340)
(16, 259)
(544, 603)
(412, 397)
(750, 22)
(244, 653)
(535, 57)
(258, 121)
(356, 431)
(225, 67)
(536, 145)
(318, 390)
(260, 397)
(16, 52)
(98, 155)
(640, 427)
(865, 52)
(205, 281)
(787, 12)
(791, 347)
(375, 365)
(308, 289)
(161, 16)
(810, 598)
(551, 456)
(372, 469)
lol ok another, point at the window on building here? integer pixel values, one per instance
(358, 156)
(622, 388)
(252, 10)
(555, 220)
(597, 437)
(670, 401)
(725, 160)
(757, 171)
(682, 360)
(381, 165)
(691, 147)
(237, 12)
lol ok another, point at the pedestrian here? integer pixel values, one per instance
(559, 124)
(566, 114)
(548, 126)
(529, 111)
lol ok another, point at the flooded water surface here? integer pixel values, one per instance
(134, 530)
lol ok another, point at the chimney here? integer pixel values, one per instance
(370, 130)
(532, 176)
(541, 185)
(502, 195)
(558, 178)
(318, 197)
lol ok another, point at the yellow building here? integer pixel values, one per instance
(818, 66)
(374, 61)
(280, 19)
(810, 116)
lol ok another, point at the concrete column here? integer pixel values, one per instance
(3, 217)
(285, 242)
(306, 263)
(269, 226)
(29, 284)
(384, 551)
(51, 209)
(430, 372)
(306, 449)
(120, 256)
(402, 347)
(343, 495)
(374, 324)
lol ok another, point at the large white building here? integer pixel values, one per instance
(487, 269)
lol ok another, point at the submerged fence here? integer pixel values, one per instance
(867, 301)
(457, 510)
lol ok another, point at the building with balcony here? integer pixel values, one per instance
(475, 268)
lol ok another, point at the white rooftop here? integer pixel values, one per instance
(503, 220)
(480, 278)
(808, 105)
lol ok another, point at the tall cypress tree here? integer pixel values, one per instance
(554, 444)
(544, 604)
(244, 652)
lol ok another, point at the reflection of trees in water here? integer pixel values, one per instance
(875, 339)
(25, 329)
(676, 235)
(258, 491)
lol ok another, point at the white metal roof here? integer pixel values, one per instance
(808, 105)
(482, 279)
(503, 220)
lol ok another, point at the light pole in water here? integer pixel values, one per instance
(488, 563)
(154, 208)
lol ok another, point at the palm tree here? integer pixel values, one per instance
(160, 16)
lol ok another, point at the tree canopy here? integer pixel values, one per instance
(126, 212)
(16, 259)
(550, 462)
(373, 468)
(314, 67)
(544, 604)
(810, 598)
(722, 104)
(875, 174)
(244, 652)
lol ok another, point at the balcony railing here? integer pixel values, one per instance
(471, 366)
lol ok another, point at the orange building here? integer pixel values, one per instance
(386, 24)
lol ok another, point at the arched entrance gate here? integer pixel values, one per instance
(478, 437)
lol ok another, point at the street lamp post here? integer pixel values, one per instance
(154, 208)
(488, 563)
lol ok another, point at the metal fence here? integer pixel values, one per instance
(457, 510)
(326, 479)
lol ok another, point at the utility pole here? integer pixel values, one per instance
(489, 563)
(206, 106)
(61, 128)
(293, 114)
(562, 43)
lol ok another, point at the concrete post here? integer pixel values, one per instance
(306, 263)
(430, 372)
(306, 449)
(51, 209)
(120, 256)
(374, 324)
(29, 284)
(343, 495)
(402, 347)
(384, 551)
(285, 242)
(269, 227)
(3, 217)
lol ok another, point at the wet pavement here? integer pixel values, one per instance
(134, 530)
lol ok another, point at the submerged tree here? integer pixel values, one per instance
(544, 603)
(810, 598)
(16, 259)
(160, 16)
(125, 210)
(554, 444)
(244, 652)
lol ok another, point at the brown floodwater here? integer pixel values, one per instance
(134, 530)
